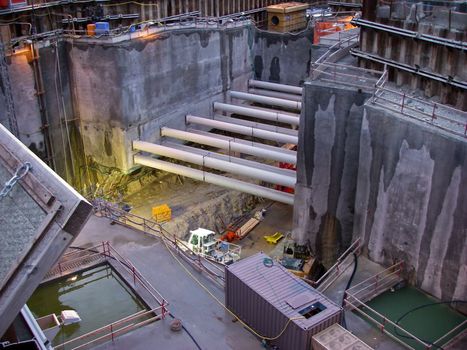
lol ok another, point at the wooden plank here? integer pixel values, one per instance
(243, 231)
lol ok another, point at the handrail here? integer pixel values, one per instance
(376, 282)
(450, 332)
(355, 246)
(138, 275)
(153, 228)
(111, 330)
(110, 327)
(400, 263)
(382, 326)
(404, 108)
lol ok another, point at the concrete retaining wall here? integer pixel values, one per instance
(126, 91)
(411, 200)
(328, 155)
(113, 93)
(397, 183)
(282, 58)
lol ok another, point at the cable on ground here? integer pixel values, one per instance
(229, 311)
(422, 307)
(355, 260)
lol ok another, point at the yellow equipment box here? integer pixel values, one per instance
(162, 213)
(287, 17)
(273, 239)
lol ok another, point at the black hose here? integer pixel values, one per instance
(355, 265)
(187, 332)
(422, 307)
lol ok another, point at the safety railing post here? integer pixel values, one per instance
(433, 114)
(164, 310)
(134, 275)
(111, 332)
(376, 283)
(402, 104)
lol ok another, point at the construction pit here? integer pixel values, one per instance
(285, 177)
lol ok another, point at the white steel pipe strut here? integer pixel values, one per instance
(251, 124)
(243, 130)
(290, 89)
(277, 94)
(232, 159)
(207, 161)
(229, 145)
(272, 101)
(218, 180)
(258, 113)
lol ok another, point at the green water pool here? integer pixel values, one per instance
(99, 296)
(428, 323)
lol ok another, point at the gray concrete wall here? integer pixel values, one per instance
(25, 102)
(62, 123)
(328, 154)
(411, 200)
(126, 91)
(282, 58)
(397, 183)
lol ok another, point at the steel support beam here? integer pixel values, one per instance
(410, 69)
(232, 159)
(270, 127)
(218, 180)
(243, 130)
(271, 101)
(231, 145)
(275, 87)
(206, 160)
(276, 94)
(410, 34)
(258, 113)
(245, 142)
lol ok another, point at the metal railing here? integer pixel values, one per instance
(383, 322)
(115, 329)
(214, 271)
(79, 258)
(356, 297)
(438, 115)
(341, 265)
(346, 75)
(376, 284)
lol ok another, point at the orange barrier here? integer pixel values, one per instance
(326, 27)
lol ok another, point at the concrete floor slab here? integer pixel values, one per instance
(208, 322)
(362, 329)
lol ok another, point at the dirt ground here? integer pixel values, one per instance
(195, 204)
(278, 218)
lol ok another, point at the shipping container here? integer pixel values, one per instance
(266, 296)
